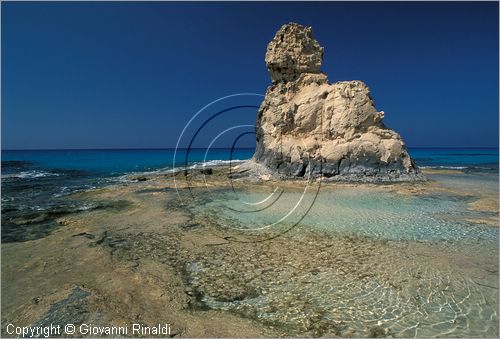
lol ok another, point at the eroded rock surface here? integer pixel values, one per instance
(306, 125)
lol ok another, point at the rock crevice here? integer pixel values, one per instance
(307, 126)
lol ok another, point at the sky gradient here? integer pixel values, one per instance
(131, 75)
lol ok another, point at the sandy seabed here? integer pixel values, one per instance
(154, 259)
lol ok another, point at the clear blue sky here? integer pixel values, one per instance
(130, 75)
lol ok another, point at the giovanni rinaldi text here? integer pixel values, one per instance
(88, 329)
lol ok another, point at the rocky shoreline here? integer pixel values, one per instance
(158, 260)
(318, 170)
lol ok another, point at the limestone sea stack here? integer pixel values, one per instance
(307, 126)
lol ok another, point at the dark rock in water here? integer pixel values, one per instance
(16, 164)
(307, 126)
(206, 171)
(141, 179)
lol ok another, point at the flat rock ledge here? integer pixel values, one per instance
(307, 126)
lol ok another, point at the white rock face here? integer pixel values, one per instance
(306, 125)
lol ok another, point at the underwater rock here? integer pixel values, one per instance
(307, 126)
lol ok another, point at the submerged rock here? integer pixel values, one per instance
(306, 125)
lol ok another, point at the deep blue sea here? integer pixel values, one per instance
(36, 184)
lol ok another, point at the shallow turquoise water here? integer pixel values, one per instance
(35, 185)
(117, 162)
(429, 301)
(364, 211)
(446, 287)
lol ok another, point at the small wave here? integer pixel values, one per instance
(87, 207)
(446, 167)
(30, 175)
(196, 165)
(216, 163)
(126, 178)
(64, 191)
(201, 164)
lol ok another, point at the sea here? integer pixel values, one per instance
(37, 185)
(410, 291)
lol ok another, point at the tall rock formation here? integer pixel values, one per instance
(306, 125)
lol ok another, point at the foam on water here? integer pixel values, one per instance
(29, 175)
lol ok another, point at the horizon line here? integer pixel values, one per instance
(214, 148)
